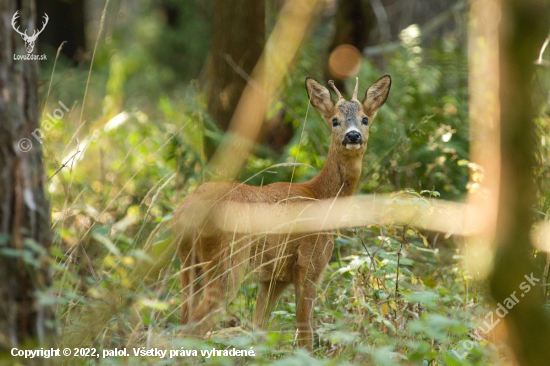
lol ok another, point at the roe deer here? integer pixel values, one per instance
(220, 258)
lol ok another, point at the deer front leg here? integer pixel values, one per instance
(305, 298)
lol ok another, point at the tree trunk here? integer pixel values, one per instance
(523, 27)
(355, 20)
(24, 209)
(66, 24)
(239, 34)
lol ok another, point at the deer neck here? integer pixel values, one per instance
(338, 177)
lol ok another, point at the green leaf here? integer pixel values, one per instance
(385, 356)
(106, 242)
(426, 298)
(35, 247)
(154, 304)
(546, 204)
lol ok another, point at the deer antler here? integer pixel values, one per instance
(13, 19)
(356, 87)
(35, 34)
(331, 84)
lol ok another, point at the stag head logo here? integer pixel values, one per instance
(29, 40)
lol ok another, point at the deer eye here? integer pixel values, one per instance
(365, 121)
(335, 122)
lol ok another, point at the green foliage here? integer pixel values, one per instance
(421, 136)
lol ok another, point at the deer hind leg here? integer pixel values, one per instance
(268, 294)
(225, 279)
(202, 319)
(190, 285)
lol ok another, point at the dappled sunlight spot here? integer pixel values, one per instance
(541, 236)
(410, 36)
(122, 225)
(344, 61)
(97, 186)
(117, 121)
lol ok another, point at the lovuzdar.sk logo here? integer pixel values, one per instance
(29, 40)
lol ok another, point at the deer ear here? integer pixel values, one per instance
(376, 95)
(319, 96)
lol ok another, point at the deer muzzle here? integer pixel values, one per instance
(352, 140)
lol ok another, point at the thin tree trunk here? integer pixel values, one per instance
(67, 24)
(355, 20)
(524, 25)
(24, 209)
(239, 34)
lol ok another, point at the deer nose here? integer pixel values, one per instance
(352, 137)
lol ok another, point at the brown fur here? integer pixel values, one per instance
(222, 258)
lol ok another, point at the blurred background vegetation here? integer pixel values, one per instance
(165, 80)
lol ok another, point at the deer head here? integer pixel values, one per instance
(349, 120)
(29, 41)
